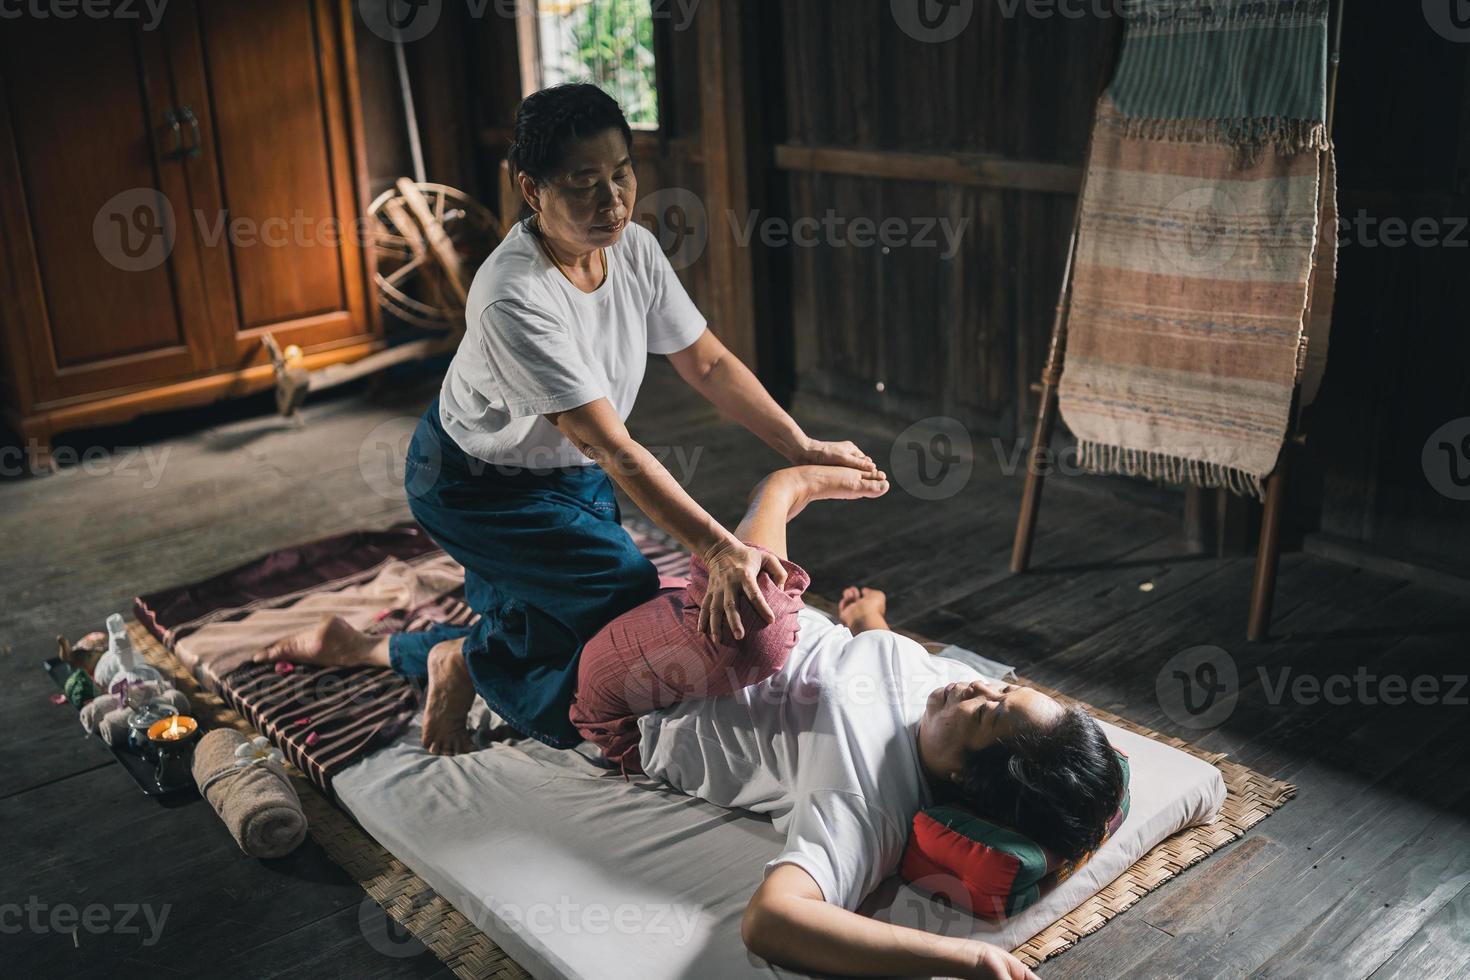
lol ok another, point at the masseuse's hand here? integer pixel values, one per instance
(817, 453)
(733, 568)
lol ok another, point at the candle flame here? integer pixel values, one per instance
(173, 728)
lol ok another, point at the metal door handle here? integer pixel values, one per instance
(195, 148)
(177, 150)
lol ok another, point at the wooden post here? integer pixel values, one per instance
(1046, 418)
(1268, 551)
(727, 173)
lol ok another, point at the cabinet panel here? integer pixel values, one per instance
(105, 288)
(274, 187)
(273, 155)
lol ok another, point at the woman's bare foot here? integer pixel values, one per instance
(333, 643)
(863, 609)
(447, 704)
(805, 484)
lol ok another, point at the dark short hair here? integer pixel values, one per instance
(1060, 784)
(548, 122)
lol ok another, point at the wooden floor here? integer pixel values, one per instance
(1367, 873)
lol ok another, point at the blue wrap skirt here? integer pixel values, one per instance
(547, 564)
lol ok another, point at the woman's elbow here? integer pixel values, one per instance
(758, 928)
(608, 450)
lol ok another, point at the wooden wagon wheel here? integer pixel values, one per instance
(408, 269)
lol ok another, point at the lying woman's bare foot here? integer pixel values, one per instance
(808, 483)
(863, 609)
(333, 643)
(447, 704)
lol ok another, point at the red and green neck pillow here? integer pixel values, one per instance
(992, 870)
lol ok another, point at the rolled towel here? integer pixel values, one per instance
(96, 709)
(114, 726)
(251, 793)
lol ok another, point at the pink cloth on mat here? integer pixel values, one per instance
(654, 656)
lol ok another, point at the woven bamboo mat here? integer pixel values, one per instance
(408, 899)
(405, 896)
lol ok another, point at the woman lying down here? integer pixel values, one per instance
(841, 733)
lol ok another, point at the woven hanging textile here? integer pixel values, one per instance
(1206, 253)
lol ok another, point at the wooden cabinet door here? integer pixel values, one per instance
(274, 187)
(105, 291)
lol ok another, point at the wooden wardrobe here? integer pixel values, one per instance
(169, 193)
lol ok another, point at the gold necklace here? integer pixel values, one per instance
(546, 247)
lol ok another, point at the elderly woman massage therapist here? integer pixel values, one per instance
(509, 467)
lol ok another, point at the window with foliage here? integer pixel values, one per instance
(606, 42)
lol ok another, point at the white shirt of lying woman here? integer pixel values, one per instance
(839, 747)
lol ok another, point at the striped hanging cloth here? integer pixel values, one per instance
(1207, 246)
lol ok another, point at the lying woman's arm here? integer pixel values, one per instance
(597, 431)
(789, 923)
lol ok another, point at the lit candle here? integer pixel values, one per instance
(174, 738)
(172, 729)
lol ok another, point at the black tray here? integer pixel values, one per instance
(138, 767)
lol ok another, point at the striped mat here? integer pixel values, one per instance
(1206, 250)
(324, 719)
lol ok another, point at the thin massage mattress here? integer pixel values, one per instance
(572, 870)
(578, 873)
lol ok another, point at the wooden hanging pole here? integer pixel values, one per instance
(1268, 550)
(1046, 418)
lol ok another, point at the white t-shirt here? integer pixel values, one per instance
(827, 747)
(534, 344)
